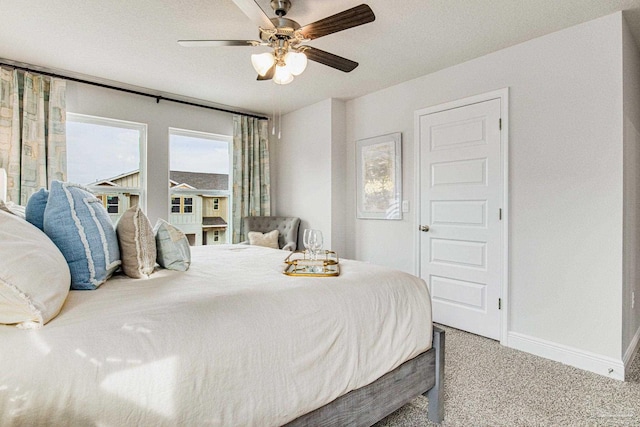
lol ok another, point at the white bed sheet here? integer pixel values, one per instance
(232, 341)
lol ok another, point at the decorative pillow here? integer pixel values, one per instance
(137, 243)
(12, 208)
(173, 247)
(269, 240)
(36, 206)
(34, 276)
(80, 226)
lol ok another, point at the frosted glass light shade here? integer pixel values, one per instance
(296, 62)
(262, 62)
(282, 76)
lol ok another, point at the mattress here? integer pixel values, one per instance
(230, 342)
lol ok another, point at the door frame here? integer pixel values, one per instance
(503, 96)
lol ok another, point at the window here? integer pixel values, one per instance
(181, 205)
(199, 165)
(112, 204)
(108, 157)
(187, 205)
(175, 205)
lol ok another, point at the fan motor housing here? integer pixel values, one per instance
(280, 7)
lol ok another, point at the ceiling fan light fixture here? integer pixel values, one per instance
(296, 62)
(282, 75)
(262, 62)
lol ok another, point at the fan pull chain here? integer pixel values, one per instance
(279, 106)
(279, 120)
(273, 120)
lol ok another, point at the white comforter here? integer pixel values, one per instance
(230, 342)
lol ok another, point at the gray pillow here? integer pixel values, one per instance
(172, 247)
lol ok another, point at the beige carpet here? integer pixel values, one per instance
(490, 385)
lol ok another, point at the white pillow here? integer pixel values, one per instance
(34, 276)
(12, 208)
(269, 240)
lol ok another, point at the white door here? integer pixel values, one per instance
(461, 189)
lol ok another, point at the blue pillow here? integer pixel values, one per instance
(79, 225)
(34, 212)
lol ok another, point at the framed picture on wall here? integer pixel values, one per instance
(379, 177)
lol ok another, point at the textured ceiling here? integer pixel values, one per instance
(134, 42)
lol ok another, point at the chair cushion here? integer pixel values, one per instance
(80, 226)
(268, 240)
(286, 226)
(137, 243)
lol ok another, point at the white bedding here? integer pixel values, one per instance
(232, 341)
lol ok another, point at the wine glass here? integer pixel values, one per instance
(306, 240)
(316, 242)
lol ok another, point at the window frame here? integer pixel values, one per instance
(142, 147)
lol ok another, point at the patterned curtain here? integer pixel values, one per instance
(32, 132)
(251, 182)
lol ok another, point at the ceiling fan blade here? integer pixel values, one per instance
(326, 58)
(216, 43)
(269, 75)
(255, 13)
(350, 18)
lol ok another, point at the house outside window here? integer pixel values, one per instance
(199, 165)
(108, 156)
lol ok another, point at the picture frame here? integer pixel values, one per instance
(379, 177)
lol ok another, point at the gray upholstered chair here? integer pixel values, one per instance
(287, 228)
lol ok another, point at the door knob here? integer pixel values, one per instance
(424, 228)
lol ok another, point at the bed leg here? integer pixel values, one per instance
(436, 393)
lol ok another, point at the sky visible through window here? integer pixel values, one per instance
(99, 152)
(96, 152)
(193, 154)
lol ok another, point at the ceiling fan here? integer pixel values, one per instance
(286, 37)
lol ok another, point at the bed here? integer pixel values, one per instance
(230, 341)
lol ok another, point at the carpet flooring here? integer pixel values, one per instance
(487, 384)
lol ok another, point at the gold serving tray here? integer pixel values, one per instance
(299, 264)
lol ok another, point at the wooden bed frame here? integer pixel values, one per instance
(363, 407)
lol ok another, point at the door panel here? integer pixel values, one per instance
(461, 193)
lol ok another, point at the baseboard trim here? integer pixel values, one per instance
(631, 351)
(603, 365)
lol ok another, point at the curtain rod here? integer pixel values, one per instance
(158, 98)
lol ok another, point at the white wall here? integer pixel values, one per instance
(565, 178)
(309, 170)
(97, 101)
(631, 271)
(339, 177)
